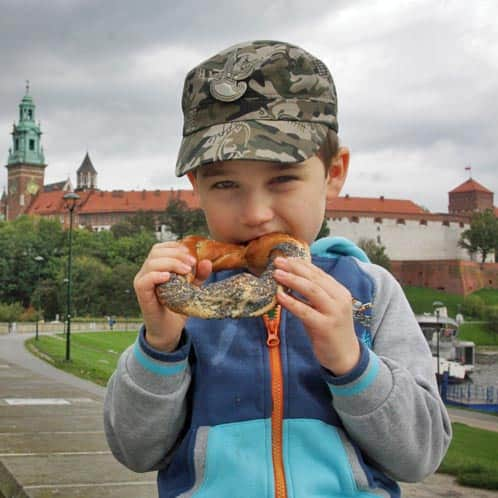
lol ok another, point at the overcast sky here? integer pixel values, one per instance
(417, 84)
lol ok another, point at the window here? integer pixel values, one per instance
(400, 221)
(446, 223)
(354, 219)
(30, 114)
(31, 144)
(16, 144)
(423, 222)
(378, 220)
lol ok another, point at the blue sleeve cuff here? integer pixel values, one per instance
(357, 380)
(159, 362)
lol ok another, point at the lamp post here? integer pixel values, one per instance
(436, 305)
(71, 198)
(38, 260)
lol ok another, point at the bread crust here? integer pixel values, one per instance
(243, 295)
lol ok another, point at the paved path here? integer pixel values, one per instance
(52, 442)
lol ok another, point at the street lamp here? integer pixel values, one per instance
(38, 260)
(436, 305)
(71, 198)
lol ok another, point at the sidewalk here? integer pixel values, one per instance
(52, 441)
(51, 435)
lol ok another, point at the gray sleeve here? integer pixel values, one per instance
(145, 405)
(392, 408)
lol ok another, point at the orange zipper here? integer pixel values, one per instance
(272, 323)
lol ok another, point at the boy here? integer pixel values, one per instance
(344, 401)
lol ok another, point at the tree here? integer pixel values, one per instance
(376, 253)
(181, 220)
(482, 236)
(141, 220)
(324, 229)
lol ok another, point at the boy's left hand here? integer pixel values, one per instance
(325, 309)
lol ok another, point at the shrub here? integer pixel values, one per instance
(492, 317)
(10, 312)
(474, 306)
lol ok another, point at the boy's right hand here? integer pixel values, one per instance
(163, 326)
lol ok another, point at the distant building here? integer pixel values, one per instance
(26, 161)
(469, 197)
(406, 230)
(86, 175)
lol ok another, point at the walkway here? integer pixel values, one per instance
(51, 434)
(52, 442)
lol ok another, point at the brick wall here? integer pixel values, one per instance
(453, 276)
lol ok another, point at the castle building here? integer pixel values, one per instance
(26, 161)
(469, 197)
(86, 175)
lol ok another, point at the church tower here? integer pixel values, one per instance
(86, 175)
(26, 162)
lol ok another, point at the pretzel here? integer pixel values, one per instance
(243, 295)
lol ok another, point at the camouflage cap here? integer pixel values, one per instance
(263, 100)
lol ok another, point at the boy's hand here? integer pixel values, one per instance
(163, 326)
(325, 310)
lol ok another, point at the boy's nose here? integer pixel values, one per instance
(256, 210)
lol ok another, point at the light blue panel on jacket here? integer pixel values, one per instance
(238, 461)
(333, 247)
(329, 474)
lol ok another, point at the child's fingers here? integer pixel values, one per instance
(309, 316)
(151, 279)
(180, 252)
(204, 269)
(309, 271)
(311, 291)
(166, 264)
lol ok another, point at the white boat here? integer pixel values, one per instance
(455, 357)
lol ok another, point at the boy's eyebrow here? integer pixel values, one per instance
(220, 170)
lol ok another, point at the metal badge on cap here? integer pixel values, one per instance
(228, 87)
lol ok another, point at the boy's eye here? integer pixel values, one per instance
(283, 179)
(224, 184)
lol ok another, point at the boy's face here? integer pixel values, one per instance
(245, 199)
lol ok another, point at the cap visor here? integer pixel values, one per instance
(275, 141)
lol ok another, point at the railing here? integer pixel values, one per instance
(470, 396)
(472, 393)
(59, 327)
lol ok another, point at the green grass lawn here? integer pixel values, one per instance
(472, 457)
(94, 355)
(421, 299)
(489, 296)
(478, 333)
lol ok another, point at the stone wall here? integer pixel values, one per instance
(425, 238)
(453, 276)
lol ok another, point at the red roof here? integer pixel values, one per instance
(470, 186)
(115, 201)
(121, 201)
(378, 205)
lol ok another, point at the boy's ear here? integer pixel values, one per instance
(338, 172)
(192, 179)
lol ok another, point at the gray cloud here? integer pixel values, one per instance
(417, 83)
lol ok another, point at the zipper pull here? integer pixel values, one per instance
(272, 324)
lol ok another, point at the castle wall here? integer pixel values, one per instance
(407, 239)
(453, 276)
